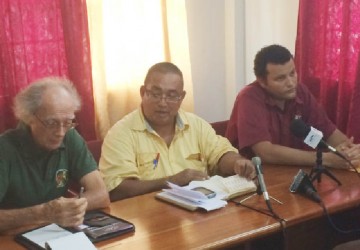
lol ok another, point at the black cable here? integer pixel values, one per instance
(272, 214)
(253, 208)
(336, 228)
(326, 212)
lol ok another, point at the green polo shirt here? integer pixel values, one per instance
(30, 175)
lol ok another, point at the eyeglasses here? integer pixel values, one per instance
(158, 96)
(53, 124)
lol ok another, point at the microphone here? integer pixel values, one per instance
(257, 162)
(302, 184)
(312, 136)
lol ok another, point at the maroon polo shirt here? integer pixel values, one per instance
(256, 118)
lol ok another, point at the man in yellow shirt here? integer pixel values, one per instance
(159, 142)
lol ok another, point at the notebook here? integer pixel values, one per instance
(97, 226)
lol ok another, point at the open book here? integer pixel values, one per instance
(224, 188)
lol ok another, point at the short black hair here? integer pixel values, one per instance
(163, 67)
(275, 54)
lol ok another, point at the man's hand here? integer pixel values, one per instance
(245, 168)
(66, 212)
(330, 159)
(349, 150)
(184, 177)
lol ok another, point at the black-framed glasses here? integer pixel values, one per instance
(54, 124)
(157, 96)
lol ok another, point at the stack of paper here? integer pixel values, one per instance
(189, 199)
(225, 188)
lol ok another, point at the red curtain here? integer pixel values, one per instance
(354, 119)
(327, 58)
(40, 38)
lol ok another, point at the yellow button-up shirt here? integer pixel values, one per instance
(133, 149)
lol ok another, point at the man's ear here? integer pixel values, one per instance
(261, 81)
(142, 90)
(183, 94)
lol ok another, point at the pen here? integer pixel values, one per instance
(156, 160)
(81, 192)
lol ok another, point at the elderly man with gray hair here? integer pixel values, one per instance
(40, 157)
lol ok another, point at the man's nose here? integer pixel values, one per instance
(290, 81)
(163, 100)
(61, 130)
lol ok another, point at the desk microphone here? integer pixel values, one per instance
(257, 162)
(312, 137)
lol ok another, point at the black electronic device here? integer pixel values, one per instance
(302, 184)
(207, 192)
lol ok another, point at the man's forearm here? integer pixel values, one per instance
(226, 163)
(14, 218)
(95, 191)
(281, 155)
(97, 199)
(132, 187)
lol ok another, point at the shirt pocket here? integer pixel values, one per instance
(146, 163)
(196, 161)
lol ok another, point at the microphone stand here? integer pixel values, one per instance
(259, 192)
(319, 169)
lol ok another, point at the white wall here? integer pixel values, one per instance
(206, 25)
(224, 38)
(275, 22)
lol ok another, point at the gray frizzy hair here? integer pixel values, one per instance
(29, 99)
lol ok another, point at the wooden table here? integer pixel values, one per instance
(306, 225)
(160, 225)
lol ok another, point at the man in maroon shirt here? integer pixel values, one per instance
(263, 111)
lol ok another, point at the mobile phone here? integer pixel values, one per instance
(209, 193)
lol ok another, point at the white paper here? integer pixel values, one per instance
(74, 241)
(187, 193)
(193, 198)
(43, 234)
(224, 188)
(208, 204)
